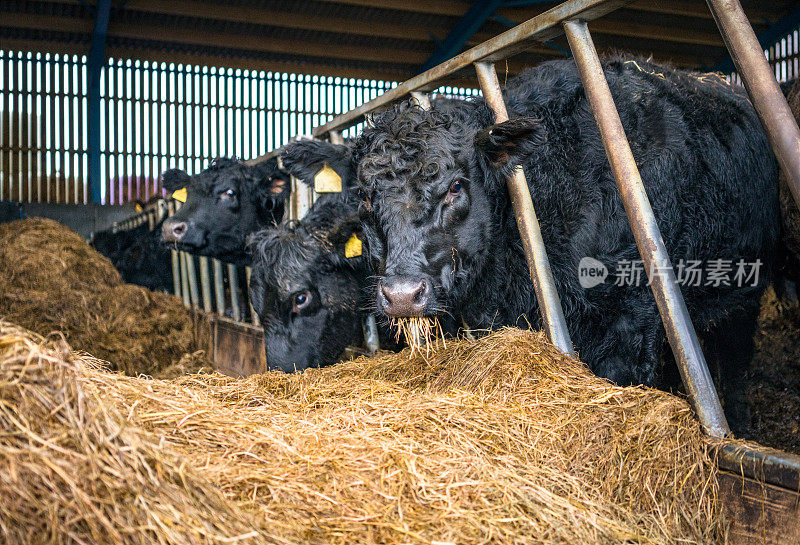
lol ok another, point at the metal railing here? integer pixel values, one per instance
(571, 18)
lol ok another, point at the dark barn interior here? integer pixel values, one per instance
(366, 39)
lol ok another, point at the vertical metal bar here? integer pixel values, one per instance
(422, 99)
(253, 316)
(205, 283)
(233, 282)
(192, 279)
(371, 338)
(25, 116)
(528, 224)
(95, 63)
(219, 286)
(184, 280)
(764, 91)
(107, 177)
(678, 324)
(38, 106)
(176, 273)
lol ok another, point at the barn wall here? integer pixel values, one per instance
(154, 116)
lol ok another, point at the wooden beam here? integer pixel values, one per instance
(283, 19)
(452, 8)
(698, 10)
(205, 38)
(144, 54)
(680, 8)
(656, 32)
(639, 30)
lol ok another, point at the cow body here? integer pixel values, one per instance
(225, 204)
(139, 255)
(444, 241)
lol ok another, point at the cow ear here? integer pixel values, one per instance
(306, 159)
(174, 179)
(347, 243)
(510, 143)
(272, 184)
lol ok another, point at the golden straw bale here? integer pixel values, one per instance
(52, 280)
(499, 440)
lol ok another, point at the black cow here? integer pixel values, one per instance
(309, 294)
(443, 239)
(139, 255)
(224, 205)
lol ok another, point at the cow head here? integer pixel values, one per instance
(224, 204)
(307, 285)
(432, 185)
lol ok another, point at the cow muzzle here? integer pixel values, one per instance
(402, 296)
(173, 231)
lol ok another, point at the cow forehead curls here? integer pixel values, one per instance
(287, 253)
(219, 169)
(408, 145)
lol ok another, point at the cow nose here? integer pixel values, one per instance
(400, 296)
(173, 232)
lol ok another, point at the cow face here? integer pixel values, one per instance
(306, 290)
(224, 204)
(429, 195)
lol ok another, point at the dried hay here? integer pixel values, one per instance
(419, 332)
(53, 280)
(500, 440)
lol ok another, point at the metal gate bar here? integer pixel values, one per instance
(763, 88)
(535, 253)
(680, 331)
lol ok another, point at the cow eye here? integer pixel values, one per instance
(453, 192)
(300, 301)
(364, 199)
(228, 194)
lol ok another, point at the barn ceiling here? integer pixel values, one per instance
(382, 39)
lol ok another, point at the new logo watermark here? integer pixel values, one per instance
(713, 273)
(591, 272)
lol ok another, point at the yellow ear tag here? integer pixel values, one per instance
(327, 181)
(353, 247)
(179, 195)
(138, 207)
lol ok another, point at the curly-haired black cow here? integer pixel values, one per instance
(443, 239)
(311, 284)
(225, 204)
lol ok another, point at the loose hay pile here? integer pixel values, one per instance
(500, 440)
(53, 281)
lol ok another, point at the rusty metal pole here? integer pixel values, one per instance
(336, 138)
(763, 88)
(422, 99)
(233, 283)
(190, 268)
(678, 324)
(184, 280)
(535, 252)
(205, 283)
(219, 287)
(176, 273)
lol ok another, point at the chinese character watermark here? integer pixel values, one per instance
(714, 273)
